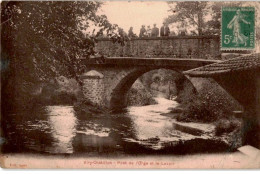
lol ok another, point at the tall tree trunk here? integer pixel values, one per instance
(199, 24)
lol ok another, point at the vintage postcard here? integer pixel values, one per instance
(130, 84)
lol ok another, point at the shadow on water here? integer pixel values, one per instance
(181, 148)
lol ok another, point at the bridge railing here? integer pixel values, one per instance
(194, 47)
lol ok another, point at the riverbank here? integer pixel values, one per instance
(232, 139)
(164, 133)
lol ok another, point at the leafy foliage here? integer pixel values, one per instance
(204, 17)
(43, 40)
(226, 126)
(188, 14)
(139, 95)
(207, 106)
(60, 91)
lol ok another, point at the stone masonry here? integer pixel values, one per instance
(202, 47)
(106, 82)
(106, 85)
(93, 86)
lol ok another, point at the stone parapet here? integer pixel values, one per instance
(194, 47)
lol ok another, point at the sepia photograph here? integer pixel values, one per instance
(130, 85)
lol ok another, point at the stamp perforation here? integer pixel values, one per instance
(226, 49)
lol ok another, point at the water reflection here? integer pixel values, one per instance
(150, 127)
(148, 123)
(58, 129)
(62, 122)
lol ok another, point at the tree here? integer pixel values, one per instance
(205, 16)
(188, 14)
(43, 40)
(213, 25)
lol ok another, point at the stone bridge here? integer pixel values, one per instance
(106, 84)
(107, 80)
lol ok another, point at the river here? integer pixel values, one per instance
(140, 130)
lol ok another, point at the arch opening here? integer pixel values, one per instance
(118, 101)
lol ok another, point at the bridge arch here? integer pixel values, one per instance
(118, 98)
(107, 87)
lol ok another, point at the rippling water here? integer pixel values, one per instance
(58, 130)
(150, 127)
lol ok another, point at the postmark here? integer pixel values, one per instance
(238, 28)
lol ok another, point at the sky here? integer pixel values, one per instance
(135, 14)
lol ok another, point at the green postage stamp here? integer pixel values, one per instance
(238, 28)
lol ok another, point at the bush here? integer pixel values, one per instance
(62, 91)
(226, 126)
(85, 107)
(211, 103)
(63, 97)
(197, 110)
(219, 101)
(139, 97)
(186, 91)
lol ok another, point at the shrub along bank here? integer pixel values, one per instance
(212, 104)
(138, 95)
(61, 91)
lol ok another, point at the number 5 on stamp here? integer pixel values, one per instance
(237, 28)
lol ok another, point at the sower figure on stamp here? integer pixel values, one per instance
(239, 37)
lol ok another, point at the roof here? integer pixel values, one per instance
(243, 63)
